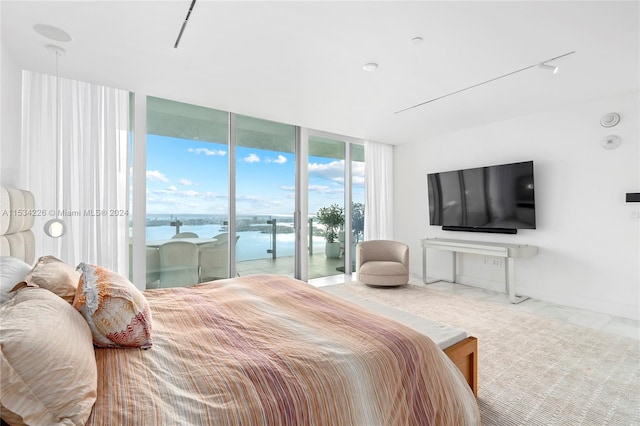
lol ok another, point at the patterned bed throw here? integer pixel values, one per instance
(272, 350)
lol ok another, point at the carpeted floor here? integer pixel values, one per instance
(533, 370)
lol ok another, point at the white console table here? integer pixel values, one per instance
(507, 251)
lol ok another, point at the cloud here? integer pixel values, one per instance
(173, 191)
(156, 175)
(333, 171)
(207, 151)
(324, 189)
(251, 158)
(280, 160)
(357, 180)
(357, 169)
(185, 182)
(248, 204)
(165, 201)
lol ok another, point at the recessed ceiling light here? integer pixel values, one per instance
(51, 32)
(416, 40)
(371, 66)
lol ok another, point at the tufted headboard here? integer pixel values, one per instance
(17, 215)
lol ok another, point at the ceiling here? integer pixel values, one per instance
(301, 62)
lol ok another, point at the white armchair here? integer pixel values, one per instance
(185, 235)
(214, 259)
(153, 267)
(178, 264)
(382, 263)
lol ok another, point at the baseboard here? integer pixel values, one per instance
(578, 301)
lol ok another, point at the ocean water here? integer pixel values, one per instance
(251, 245)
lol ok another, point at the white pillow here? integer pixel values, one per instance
(12, 271)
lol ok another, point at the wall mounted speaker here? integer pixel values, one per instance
(633, 197)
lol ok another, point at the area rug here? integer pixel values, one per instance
(533, 370)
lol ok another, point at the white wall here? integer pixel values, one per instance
(588, 237)
(10, 118)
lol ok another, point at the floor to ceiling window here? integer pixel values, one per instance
(336, 185)
(222, 192)
(326, 177)
(187, 200)
(265, 196)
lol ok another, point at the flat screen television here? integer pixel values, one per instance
(484, 199)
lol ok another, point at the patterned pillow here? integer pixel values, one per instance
(54, 275)
(117, 312)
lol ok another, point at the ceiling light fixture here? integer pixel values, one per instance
(552, 68)
(55, 228)
(184, 24)
(416, 40)
(371, 66)
(51, 32)
(488, 81)
(610, 120)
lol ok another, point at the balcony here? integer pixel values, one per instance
(319, 266)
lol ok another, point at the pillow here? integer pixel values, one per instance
(47, 363)
(117, 312)
(12, 271)
(54, 275)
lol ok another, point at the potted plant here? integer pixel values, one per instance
(357, 222)
(332, 218)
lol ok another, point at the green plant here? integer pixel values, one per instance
(357, 221)
(332, 218)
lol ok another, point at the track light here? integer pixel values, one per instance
(544, 65)
(552, 68)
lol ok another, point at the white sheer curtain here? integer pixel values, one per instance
(378, 215)
(92, 150)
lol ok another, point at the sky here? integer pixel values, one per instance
(191, 177)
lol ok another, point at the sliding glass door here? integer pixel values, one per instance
(187, 200)
(265, 196)
(326, 172)
(336, 187)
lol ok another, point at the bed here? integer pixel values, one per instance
(254, 350)
(17, 216)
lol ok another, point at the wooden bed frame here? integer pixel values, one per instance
(464, 355)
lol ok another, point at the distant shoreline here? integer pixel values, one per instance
(284, 225)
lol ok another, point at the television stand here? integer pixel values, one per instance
(507, 251)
